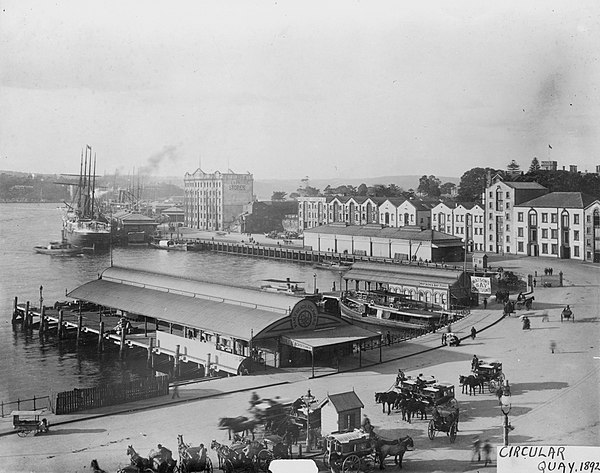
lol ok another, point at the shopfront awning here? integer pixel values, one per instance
(309, 341)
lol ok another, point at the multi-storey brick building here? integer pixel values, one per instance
(323, 210)
(465, 220)
(213, 201)
(500, 198)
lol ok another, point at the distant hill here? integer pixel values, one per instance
(263, 188)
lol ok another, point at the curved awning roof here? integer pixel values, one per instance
(241, 320)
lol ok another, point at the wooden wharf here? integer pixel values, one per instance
(73, 320)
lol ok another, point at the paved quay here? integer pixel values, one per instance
(554, 395)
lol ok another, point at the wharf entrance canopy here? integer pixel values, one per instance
(211, 323)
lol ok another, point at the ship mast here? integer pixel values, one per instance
(80, 187)
(94, 186)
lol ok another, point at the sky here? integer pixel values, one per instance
(288, 89)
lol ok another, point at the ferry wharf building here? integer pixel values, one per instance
(214, 201)
(228, 328)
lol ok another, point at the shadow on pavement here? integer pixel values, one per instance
(53, 431)
(519, 388)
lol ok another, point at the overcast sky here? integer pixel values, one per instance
(291, 89)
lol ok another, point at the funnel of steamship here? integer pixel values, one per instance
(84, 225)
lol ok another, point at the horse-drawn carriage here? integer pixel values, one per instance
(567, 313)
(524, 300)
(348, 451)
(490, 373)
(193, 458)
(250, 455)
(28, 422)
(445, 419)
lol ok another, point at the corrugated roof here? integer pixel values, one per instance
(199, 288)
(238, 321)
(391, 278)
(345, 401)
(397, 233)
(573, 200)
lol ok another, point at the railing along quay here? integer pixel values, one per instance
(299, 254)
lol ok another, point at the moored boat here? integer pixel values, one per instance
(283, 286)
(59, 248)
(169, 245)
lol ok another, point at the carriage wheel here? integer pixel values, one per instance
(209, 465)
(492, 386)
(452, 432)
(264, 459)
(326, 459)
(431, 430)
(351, 464)
(228, 466)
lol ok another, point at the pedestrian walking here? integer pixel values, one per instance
(552, 346)
(388, 336)
(175, 392)
(487, 453)
(534, 282)
(476, 450)
(545, 317)
(473, 333)
(485, 302)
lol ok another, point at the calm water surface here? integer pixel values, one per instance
(32, 366)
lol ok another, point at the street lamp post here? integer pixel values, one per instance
(314, 283)
(505, 406)
(341, 289)
(308, 400)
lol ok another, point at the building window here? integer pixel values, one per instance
(554, 249)
(507, 205)
(520, 217)
(576, 235)
(544, 217)
(554, 234)
(554, 218)
(576, 251)
(508, 228)
(576, 219)
(491, 247)
(544, 248)
(508, 195)
(507, 238)
(520, 232)
(520, 247)
(508, 249)
(544, 233)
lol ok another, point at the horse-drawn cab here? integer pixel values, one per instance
(491, 373)
(28, 422)
(346, 451)
(445, 419)
(415, 386)
(438, 393)
(452, 339)
(524, 300)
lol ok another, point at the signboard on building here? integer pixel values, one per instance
(481, 285)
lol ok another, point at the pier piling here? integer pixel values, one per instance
(122, 342)
(42, 317)
(150, 360)
(26, 315)
(59, 328)
(176, 362)
(15, 312)
(101, 336)
(79, 327)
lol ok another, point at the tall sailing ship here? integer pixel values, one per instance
(84, 225)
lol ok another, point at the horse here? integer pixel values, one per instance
(411, 407)
(471, 382)
(138, 461)
(297, 405)
(389, 397)
(237, 424)
(95, 467)
(223, 452)
(397, 448)
(190, 455)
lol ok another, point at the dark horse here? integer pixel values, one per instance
(397, 448)
(411, 407)
(471, 382)
(95, 467)
(237, 424)
(390, 398)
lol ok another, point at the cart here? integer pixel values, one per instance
(491, 373)
(348, 452)
(28, 422)
(444, 420)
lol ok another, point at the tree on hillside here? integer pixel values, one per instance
(362, 190)
(535, 165)
(446, 188)
(473, 184)
(278, 195)
(429, 186)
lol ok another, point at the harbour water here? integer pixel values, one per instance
(31, 366)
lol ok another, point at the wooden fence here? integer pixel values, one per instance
(109, 395)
